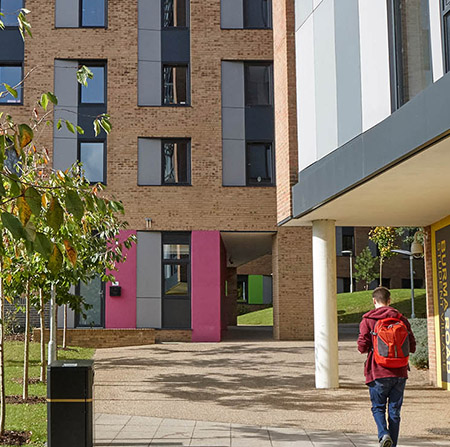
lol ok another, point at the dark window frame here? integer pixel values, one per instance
(163, 27)
(268, 64)
(445, 33)
(17, 23)
(97, 141)
(102, 308)
(188, 84)
(95, 63)
(188, 162)
(247, 179)
(21, 90)
(269, 18)
(80, 16)
(182, 238)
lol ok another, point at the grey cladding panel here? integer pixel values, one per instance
(149, 45)
(66, 85)
(231, 14)
(259, 124)
(232, 84)
(233, 163)
(149, 265)
(64, 153)
(233, 123)
(70, 317)
(12, 46)
(303, 8)
(149, 161)
(149, 12)
(68, 113)
(67, 13)
(267, 289)
(148, 313)
(149, 83)
(175, 45)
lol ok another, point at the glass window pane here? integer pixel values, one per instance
(10, 9)
(447, 41)
(259, 163)
(175, 251)
(257, 85)
(175, 84)
(93, 13)
(256, 14)
(93, 295)
(94, 93)
(175, 159)
(11, 76)
(176, 279)
(176, 313)
(174, 13)
(92, 157)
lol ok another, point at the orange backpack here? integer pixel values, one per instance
(391, 343)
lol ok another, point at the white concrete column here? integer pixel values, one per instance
(325, 304)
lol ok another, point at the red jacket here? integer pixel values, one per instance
(372, 370)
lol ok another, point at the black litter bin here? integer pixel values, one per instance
(69, 403)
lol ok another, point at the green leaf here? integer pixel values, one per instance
(70, 126)
(34, 200)
(44, 101)
(25, 135)
(106, 125)
(83, 73)
(55, 215)
(43, 245)
(55, 261)
(24, 210)
(52, 98)
(31, 231)
(11, 90)
(74, 204)
(97, 127)
(14, 226)
(58, 124)
(14, 187)
(80, 130)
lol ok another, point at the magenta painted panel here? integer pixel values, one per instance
(206, 287)
(120, 311)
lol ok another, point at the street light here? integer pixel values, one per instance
(411, 273)
(350, 253)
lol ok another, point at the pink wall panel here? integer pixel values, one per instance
(120, 311)
(206, 286)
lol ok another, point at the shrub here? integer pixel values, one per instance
(420, 358)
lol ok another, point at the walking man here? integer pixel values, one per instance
(386, 336)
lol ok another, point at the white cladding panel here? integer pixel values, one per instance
(436, 39)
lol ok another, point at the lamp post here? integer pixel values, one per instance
(411, 273)
(350, 253)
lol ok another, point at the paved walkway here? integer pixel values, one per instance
(139, 431)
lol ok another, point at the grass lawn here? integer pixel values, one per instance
(27, 417)
(351, 307)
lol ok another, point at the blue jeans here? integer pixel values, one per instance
(388, 390)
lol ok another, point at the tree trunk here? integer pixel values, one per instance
(26, 349)
(42, 324)
(2, 355)
(64, 344)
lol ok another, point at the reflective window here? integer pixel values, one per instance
(257, 14)
(175, 84)
(11, 75)
(176, 279)
(92, 155)
(93, 13)
(175, 160)
(175, 251)
(259, 164)
(10, 9)
(94, 93)
(92, 294)
(446, 32)
(174, 13)
(258, 85)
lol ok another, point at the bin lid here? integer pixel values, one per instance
(72, 364)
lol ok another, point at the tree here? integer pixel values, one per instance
(365, 267)
(385, 240)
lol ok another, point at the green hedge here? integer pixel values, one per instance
(420, 358)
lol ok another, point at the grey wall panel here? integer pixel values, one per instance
(69, 113)
(149, 161)
(65, 151)
(66, 85)
(233, 123)
(233, 163)
(148, 313)
(67, 13)
(231, 14)
(149, 14)
(338, 241)
(149, 83)
(175, 45)
(149, 45)
(70, 317)
(148, 264)
(259, 125)
(303, 8)
(233, 84)
(348, 70)
(267, 290)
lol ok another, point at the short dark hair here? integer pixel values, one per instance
(381, 295)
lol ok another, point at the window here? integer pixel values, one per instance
(257, 14)
(92, 155)
(11, 75)
(10, 9)
(446, 32)
(95, 91)
(175, 162)
(93, 13)
(259, 164)
(94, 295)
(242, 288)
(176, 276)
(258, 84)
(175, 84)
(174, 13)
(409, 26)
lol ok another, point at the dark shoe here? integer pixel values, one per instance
(386, 441)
